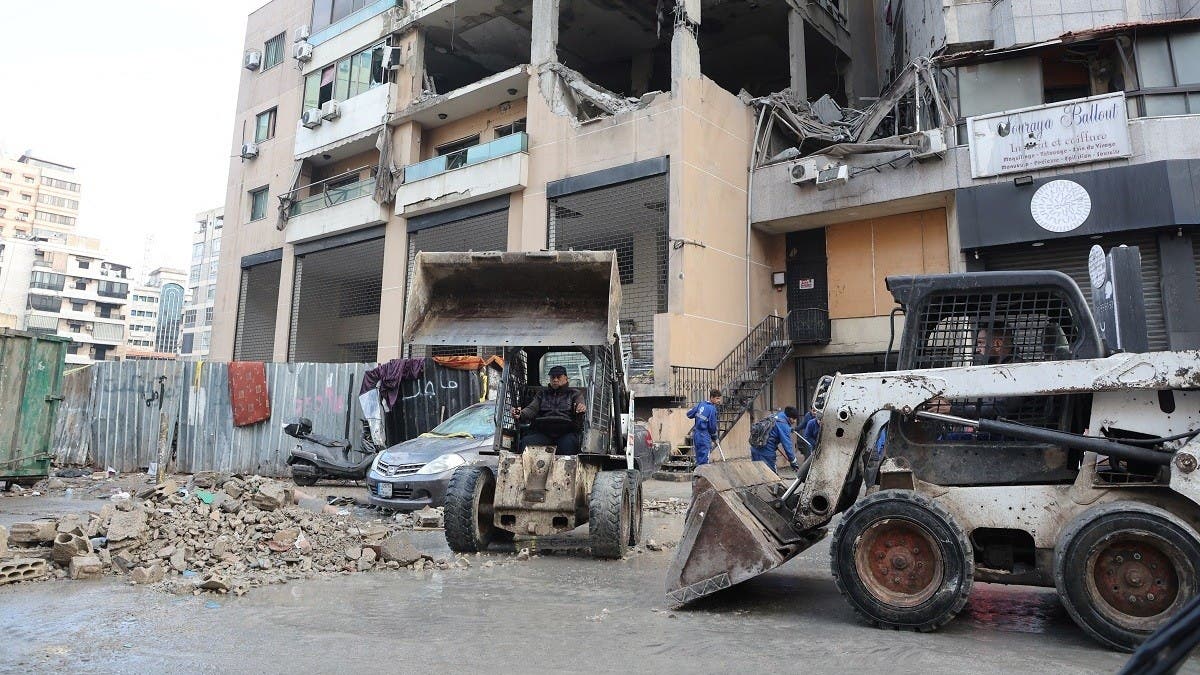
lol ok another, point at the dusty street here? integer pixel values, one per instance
(552, 613)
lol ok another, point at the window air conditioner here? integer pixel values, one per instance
(252, 60)
(311, 118)
(932, 145)
(330, 111)
(302, 51)
(302, 33)
(249, 150)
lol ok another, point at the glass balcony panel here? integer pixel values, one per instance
(476, 154)
(332, 196)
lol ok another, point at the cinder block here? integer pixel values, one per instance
(22, 569)
(85, 567)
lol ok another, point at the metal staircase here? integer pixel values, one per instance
(741, 376)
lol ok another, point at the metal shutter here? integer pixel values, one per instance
(630, 218)
(257, 303)
(335, 304)
(1070, 257)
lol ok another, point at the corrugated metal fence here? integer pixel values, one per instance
(110, 417)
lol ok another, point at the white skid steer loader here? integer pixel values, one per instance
(1046, 464)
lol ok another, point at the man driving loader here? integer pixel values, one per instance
(553, 415)
(993, 346)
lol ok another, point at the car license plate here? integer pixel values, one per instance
(385, 490)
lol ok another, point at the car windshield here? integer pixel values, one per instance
(475, 421)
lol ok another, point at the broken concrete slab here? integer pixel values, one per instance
(270, 496)
(429, 517)
(3, 541)
(398, 548)
(85, 567)
(33, 533)
(126, 528)
(147, 575)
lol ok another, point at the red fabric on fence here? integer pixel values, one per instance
(248, 392)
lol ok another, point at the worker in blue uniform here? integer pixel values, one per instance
(704, 429)
(780, 435)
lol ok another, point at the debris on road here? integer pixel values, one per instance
(219, 533)
(670, 505)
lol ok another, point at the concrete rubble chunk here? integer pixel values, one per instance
(367, 561)
(429, 517)
(271, 495)
(34, 533)
(69, 523)
(68, 545)
(3, 541)
(399, 549)
(215, 582)
(127, 528)
(178, 562)
(85, 567)
(284, 540)
(147, 575)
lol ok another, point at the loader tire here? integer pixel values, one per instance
(609, 517)
(1123, 569)
(902, 562)
(468, 509)
(635, 508)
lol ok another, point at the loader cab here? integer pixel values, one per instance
(592, 370)
(987, 319)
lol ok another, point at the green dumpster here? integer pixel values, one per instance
(31, 371)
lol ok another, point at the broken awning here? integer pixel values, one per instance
(1102, 32)
(340, 142)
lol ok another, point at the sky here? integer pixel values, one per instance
(139, 96)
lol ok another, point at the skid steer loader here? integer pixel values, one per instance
(1015, 452)
(541, 310)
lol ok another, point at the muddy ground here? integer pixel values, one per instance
(554, 612)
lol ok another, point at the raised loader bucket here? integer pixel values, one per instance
(549, 298)
(732, 532)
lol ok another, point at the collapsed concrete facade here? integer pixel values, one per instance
(370, 131)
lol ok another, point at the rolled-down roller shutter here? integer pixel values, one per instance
(1070, 256)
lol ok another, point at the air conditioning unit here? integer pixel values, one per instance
(252, 60)
(833, 176)
(249, 150)
(311, 118)
(330, 110)
(302, 33)
(804, 171)
(302, 51)
(392, 58)
(931, 145)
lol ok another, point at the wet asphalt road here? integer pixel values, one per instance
(553, 613)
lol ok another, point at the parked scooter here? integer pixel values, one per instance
(316, 457)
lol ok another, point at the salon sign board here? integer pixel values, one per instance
(1080, 131)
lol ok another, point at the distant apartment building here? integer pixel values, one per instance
(63, 285)
(202, 284)
(156, 315)
(37, 196)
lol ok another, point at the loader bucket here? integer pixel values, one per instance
(732, 532)
(548, 298)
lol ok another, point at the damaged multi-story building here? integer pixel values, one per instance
(758, 166)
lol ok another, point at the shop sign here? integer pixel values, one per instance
(1080, 131)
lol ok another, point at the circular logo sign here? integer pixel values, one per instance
(1060, 206)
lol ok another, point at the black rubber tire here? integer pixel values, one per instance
(609, 521)
(307, 476)
(1106, 526)
(468, 509)
(635, 508)
(920, 514)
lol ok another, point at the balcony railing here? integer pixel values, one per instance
(476, 154)
(330, 196)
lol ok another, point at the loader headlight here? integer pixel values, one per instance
(821, 395)
(450, 460)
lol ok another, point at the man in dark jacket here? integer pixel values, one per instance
(780, 435)
(553, 415)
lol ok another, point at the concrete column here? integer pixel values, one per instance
(545, 32)
(283, 310)
(685, 48)
(796, 53)
(406, 144)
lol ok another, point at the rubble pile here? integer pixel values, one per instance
(220, 533)
(668, 506)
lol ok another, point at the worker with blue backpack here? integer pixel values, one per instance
(773, 431)
(704, 429)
